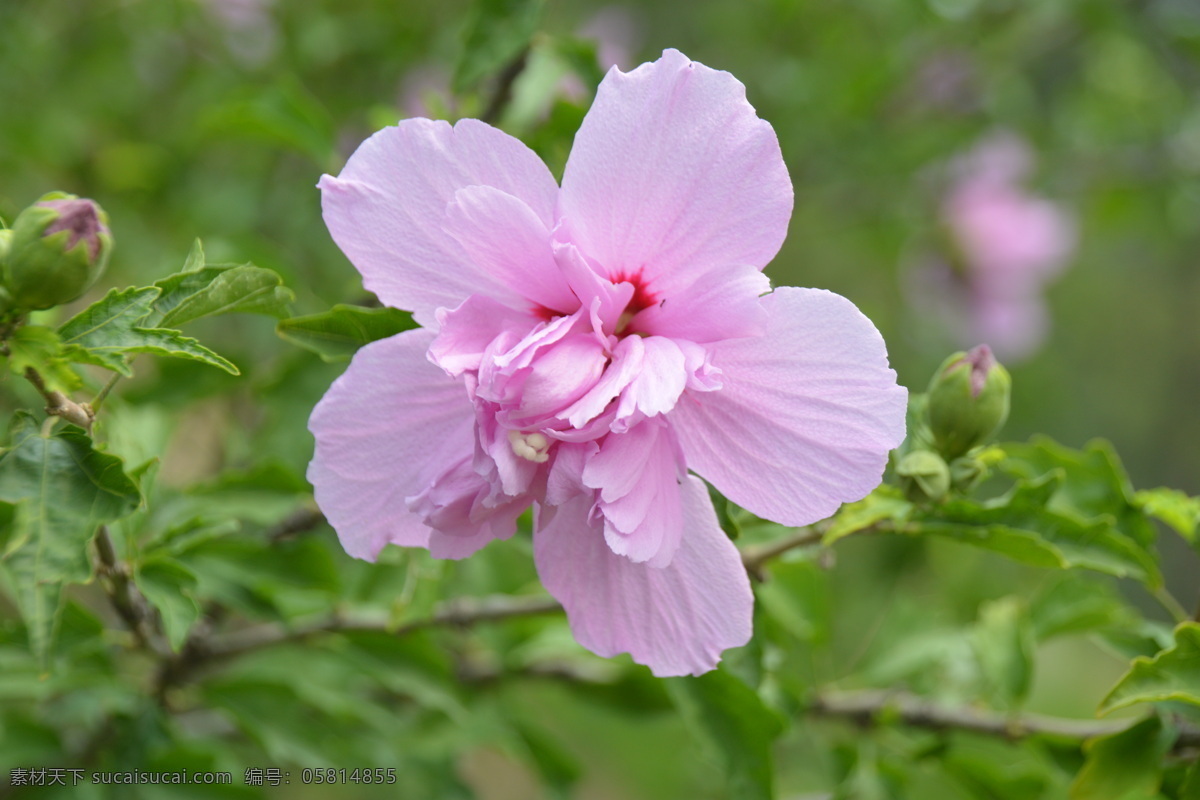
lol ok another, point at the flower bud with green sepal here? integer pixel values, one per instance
(924, 476)
(968, 401)
(57, 249)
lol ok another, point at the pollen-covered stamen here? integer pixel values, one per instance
(530, 446)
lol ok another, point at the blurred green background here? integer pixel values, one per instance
(215, 118)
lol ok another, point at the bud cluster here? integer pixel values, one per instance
(55, 250)
(966, 405)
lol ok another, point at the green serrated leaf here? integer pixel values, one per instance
(729, 717)
(1172, 675)
(1023, 526)
(40, 348)
(1173, 507)
(336, 334)
(169, 587)
(219, 289)
(496, 33)
(108, 331)
(63, 489)
(107, 318)
(1124, 765)
(1094, 482)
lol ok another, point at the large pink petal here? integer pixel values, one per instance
(638, 475)
(672, 174)
(465, 332)
(676, 620)
(659, 382)
(807, 413)
(456, 507)
(387, 207)
(385, 429)
(506, 239)
(720, 304)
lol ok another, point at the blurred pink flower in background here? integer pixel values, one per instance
(251, 33)
(1009, 244)
(583, 347)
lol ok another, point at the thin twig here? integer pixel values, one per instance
(102, 395)
(755, 558)
(870, 708)
(59, 405)
(301, 520)
(125, 598)
(204, 651)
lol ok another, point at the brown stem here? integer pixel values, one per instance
(299, 521)
(129, 603)
(203, 651)
(870, 708)
(59, 405)
(755, 558)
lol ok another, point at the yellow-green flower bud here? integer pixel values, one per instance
(968, 401)
(58, 248)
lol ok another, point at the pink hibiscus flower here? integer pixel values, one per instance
(583, 347)
(1012, 243)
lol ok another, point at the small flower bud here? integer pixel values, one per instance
(924, 476)
(58, 248)
(968, 401)
(966, 472)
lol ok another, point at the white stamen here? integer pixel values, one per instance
(530, 446)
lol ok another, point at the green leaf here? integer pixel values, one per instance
(336, 334)
(106, 332)
(1094, 482)
(64, 488)
(1021, 525)
(40, 348)
(1125, 765)
(1172, 675)
(1173, 507)
(1074, 604)
(210, 290)
(731, 719)
(496, 33)
(169, 587)
(885, 503)
(1003, 642)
